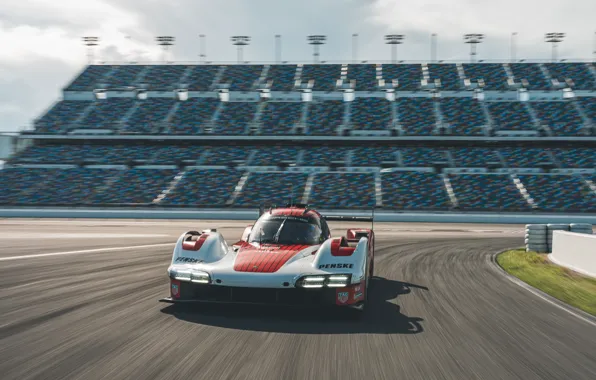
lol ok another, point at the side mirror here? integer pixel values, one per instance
(246, 232)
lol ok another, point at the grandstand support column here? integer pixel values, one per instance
(473, 39)
(316, 40)
(240, 42)
(554, 39)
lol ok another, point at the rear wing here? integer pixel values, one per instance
(351, 218)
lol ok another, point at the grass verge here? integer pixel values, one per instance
(535, 269)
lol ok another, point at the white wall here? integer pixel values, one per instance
(575, 251)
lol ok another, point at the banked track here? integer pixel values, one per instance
(438, 310)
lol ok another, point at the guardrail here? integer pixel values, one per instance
(243, 214)
(575, 251)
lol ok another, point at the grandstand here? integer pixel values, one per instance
(449, 137)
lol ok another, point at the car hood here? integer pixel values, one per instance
(265, 258)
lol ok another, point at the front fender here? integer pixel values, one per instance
(208, 247)
(327, 258)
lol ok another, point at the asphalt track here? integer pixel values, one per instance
(438, 310)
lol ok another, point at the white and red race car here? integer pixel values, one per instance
(287, 257)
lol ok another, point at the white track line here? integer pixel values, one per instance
(84, 251)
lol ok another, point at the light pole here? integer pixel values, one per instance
(165, 42)
(278, 48)
(473, 39)
(240, 42)
(316, 40)
(354, 47)
(394, 40)
(513, 47)
(90, 42)
(202, 48)
(433, 47)
(554, 38)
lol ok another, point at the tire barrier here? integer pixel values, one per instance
(539, 237)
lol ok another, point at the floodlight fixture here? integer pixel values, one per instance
(91, 42)
(165, 42)
(394, 40)
(554, 38)
(316, 40)
(240, 42)
(473, 39)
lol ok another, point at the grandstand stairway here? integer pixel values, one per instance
(538, 126)
(171, 187)
(170, 116)
(546, 73)
(488, 117)
(523, 191)
(585, 119)
(440, 124)
(238, 189)
(255, 125)
(308, 188)
(131, 111)
(304, 117)
(378, 190)
(77, 122)
(187, 73)
(449, 190)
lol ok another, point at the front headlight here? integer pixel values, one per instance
(330, 281)
(197, 277)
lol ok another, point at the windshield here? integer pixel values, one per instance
(286, 230)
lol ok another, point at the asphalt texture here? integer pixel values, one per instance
(438, 309)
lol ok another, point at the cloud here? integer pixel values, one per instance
(42, 49)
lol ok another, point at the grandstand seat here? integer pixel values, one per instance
(325, 76)
(149, 116)
(493, 75)
(89, 78)
(373, 156)
(525, 157)
(364, 75)
(226, 155)
(164, 77)
(61, 116)
(448, 75)
(136, 186)
(279, 118)
(469, 157)
(342, 190)
(560, 116)
(464, 116)
(126, 76)
(422, 157)
(559, 192)
(532, 73)
(487, 192)
(203, 188)
(578, 72)
(324, 156)
(241, 77)
(417, 116)
(576, 158)
(192, 114)
(588, 104)
(274, 155)
(325, 117)
(202, 77)
(107, 113)
(410, 190)
(408, 76)
(371, 114)
(271, 188)
(168, 155)
(511, 116)
(282, 77)
(235, 117)
(16, 184)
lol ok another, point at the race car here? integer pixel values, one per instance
(287, 257)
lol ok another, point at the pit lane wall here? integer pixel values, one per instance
(575, 251)
(236, 214)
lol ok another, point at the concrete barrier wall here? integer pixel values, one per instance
(230, 214)
(575, 251)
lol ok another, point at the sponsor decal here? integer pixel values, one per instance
(357, 288)
(342, 297)
(188, 260)
(336, 266)
(357, 296)
(176, 289)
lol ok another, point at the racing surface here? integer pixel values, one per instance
(438, 309)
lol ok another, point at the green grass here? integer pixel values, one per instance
(561, 283)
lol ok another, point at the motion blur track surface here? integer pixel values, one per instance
(438, 310)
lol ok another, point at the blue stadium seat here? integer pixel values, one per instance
(202, 77)
(61, 116)
(324, 156)
(532, 73)
(325, 117)
(279, 118)
(125, 76)
(282, 77)
(448, 75)
(510, 116)
(417, 116)
(559, 193)
(89, 78)
(410, 190)
(274, 155)
(493, 75)
(422, 157)
(365, 76)
(371, 114)
(576, 158)
(525, 157)
(408, 76)
(464, 115)
(374, 156)
(487, 192)
(560, 116)
(325, 76)
(149, 115)
(107, 113)
(272, 188)
(342, 191)
(474, 157)
(203, 188)
(227, 154)
(164, 77)
(578, 72)
(235, 117)
(136, 186)
(192, 114)
(241, 77)
(588, 104)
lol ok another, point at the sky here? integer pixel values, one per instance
(41, 49)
